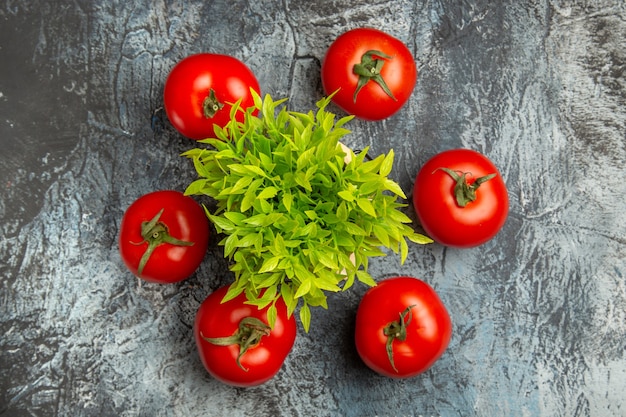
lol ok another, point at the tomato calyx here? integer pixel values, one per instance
(211, 105)
(464, 192)
(249, 334)
(156, 233)
(369, 70)
(396, 330)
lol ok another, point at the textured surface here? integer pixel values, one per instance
(539, 313)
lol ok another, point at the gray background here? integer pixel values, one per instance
(539, 312)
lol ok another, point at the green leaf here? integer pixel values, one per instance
(235, 108)
(248, 201)
(225, 192)
(305, 316)
(304, 274)
(398, 216)
(354, 229)
(193, 153)
(419, 239)
(349, 282)
(253, 169)
(346, 261)
(304, 160)
(304, 288)
(331, 219)
(268, 192)
(230, 244)
(328, 121)
(334, 168)
(310, 172)
(342, 122)
(365, 278)
(292, 243)
(371, 166)
(327, 281)
(233, 292)
(317, 299)
(196, 187)
(247, 241)
(287, 293)
(269, 264)
(262, 205)
(346, 195)
(370, 187)
(404, 250)
(382, 235)
(274, 219)
(241, 185)
(394, 231)
(367, 206)
(309, 230)
(302, 181)
(226, 154)
(394, 188)
(235, 217)
(256, 220)
(221, 223)
(266, 298)
(387, 164)
(328, 260)
(200, 168)
(238, 169)
(267, 162)
(258, 102)
(272, 314)
(287, 200)
(279, 244)
(342, 212)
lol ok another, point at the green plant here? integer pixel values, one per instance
(298, 219)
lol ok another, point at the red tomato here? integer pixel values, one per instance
(373, 72)
(164, 236)
(449, 180)
(199, 89)
(402, 327)
(235, 342)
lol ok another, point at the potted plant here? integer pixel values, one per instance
(301, 214)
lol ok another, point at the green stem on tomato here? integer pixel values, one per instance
(465, 192)
(156, 233)
(211, 105)
(369, 70)
(249, 334)
(396, 330)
